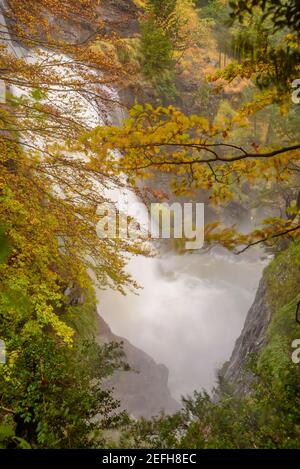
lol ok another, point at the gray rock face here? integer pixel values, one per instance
(251, 340)
(143, 391)
(112, 17)
(120, 16)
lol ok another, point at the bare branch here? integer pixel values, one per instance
(274, 236)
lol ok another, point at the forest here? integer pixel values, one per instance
(167, 102)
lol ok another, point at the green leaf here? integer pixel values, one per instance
(37, 94)
(6, 431)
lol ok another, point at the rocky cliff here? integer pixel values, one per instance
(143, 391)
(270, 326)
(251, 340)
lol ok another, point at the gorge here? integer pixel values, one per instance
(113, 341)
(191, 308)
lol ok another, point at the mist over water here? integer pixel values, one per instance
(191, 308)
(188, 314)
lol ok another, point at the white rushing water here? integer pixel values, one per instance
(188, 315)
(191, 308)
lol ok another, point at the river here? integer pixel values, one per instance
(191, 309)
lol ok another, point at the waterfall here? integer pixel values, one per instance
(191, 308)
(12, 47)
(189, 313)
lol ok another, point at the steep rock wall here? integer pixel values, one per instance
(270, 326)
(143, 391)
(251, 340)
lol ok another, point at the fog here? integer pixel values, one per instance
(188, 314)
(191, 308)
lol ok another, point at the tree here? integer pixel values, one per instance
(156, 48)
(168, 30)
(199, 155)
(49, 196)
(48, 116)
(53, 396)
(274, 46)
(282, 13)
(159, 30)
(266, 415)
(231, 422)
